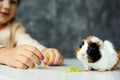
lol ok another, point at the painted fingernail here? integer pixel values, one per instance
(40, 63)
(45, 63)
(42, 58)
(50, 64)
(33, 66)
(47, 57)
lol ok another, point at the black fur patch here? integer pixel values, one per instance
(82, 43)
(93, 53)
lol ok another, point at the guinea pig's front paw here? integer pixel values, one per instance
(101, 70)
(86, 69)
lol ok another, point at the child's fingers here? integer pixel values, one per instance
(61, 61)
(43, 50)
(31, 56)
(58, 63)
(49, 56)
(34, 50)
(52, 57)
(18, 64)
(25, 60)
(57, 56)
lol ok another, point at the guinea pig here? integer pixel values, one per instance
(97, 54)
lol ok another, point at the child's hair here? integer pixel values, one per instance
(18, 2)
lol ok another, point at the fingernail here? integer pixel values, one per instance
(32, 66)
(47, 57)
(42, 58)
(45, 63)
(50, 64)
(40, 63)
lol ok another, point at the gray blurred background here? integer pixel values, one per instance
(62, 24)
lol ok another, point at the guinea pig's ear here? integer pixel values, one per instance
(93, 52)
(96, 40)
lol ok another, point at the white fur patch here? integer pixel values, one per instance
(81, 54)
(108, 55)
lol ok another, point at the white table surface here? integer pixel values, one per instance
(55, 73)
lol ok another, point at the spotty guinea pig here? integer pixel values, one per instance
(97, 54)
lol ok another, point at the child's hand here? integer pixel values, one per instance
(56, 57)
(21, 57)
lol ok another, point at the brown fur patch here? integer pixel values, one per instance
(116, 65)
(89, 38)
(118, 54)
(89, 43)
(77, 49)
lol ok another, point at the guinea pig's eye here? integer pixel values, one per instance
(82, 43)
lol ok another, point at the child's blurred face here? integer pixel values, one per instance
(7, 10)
